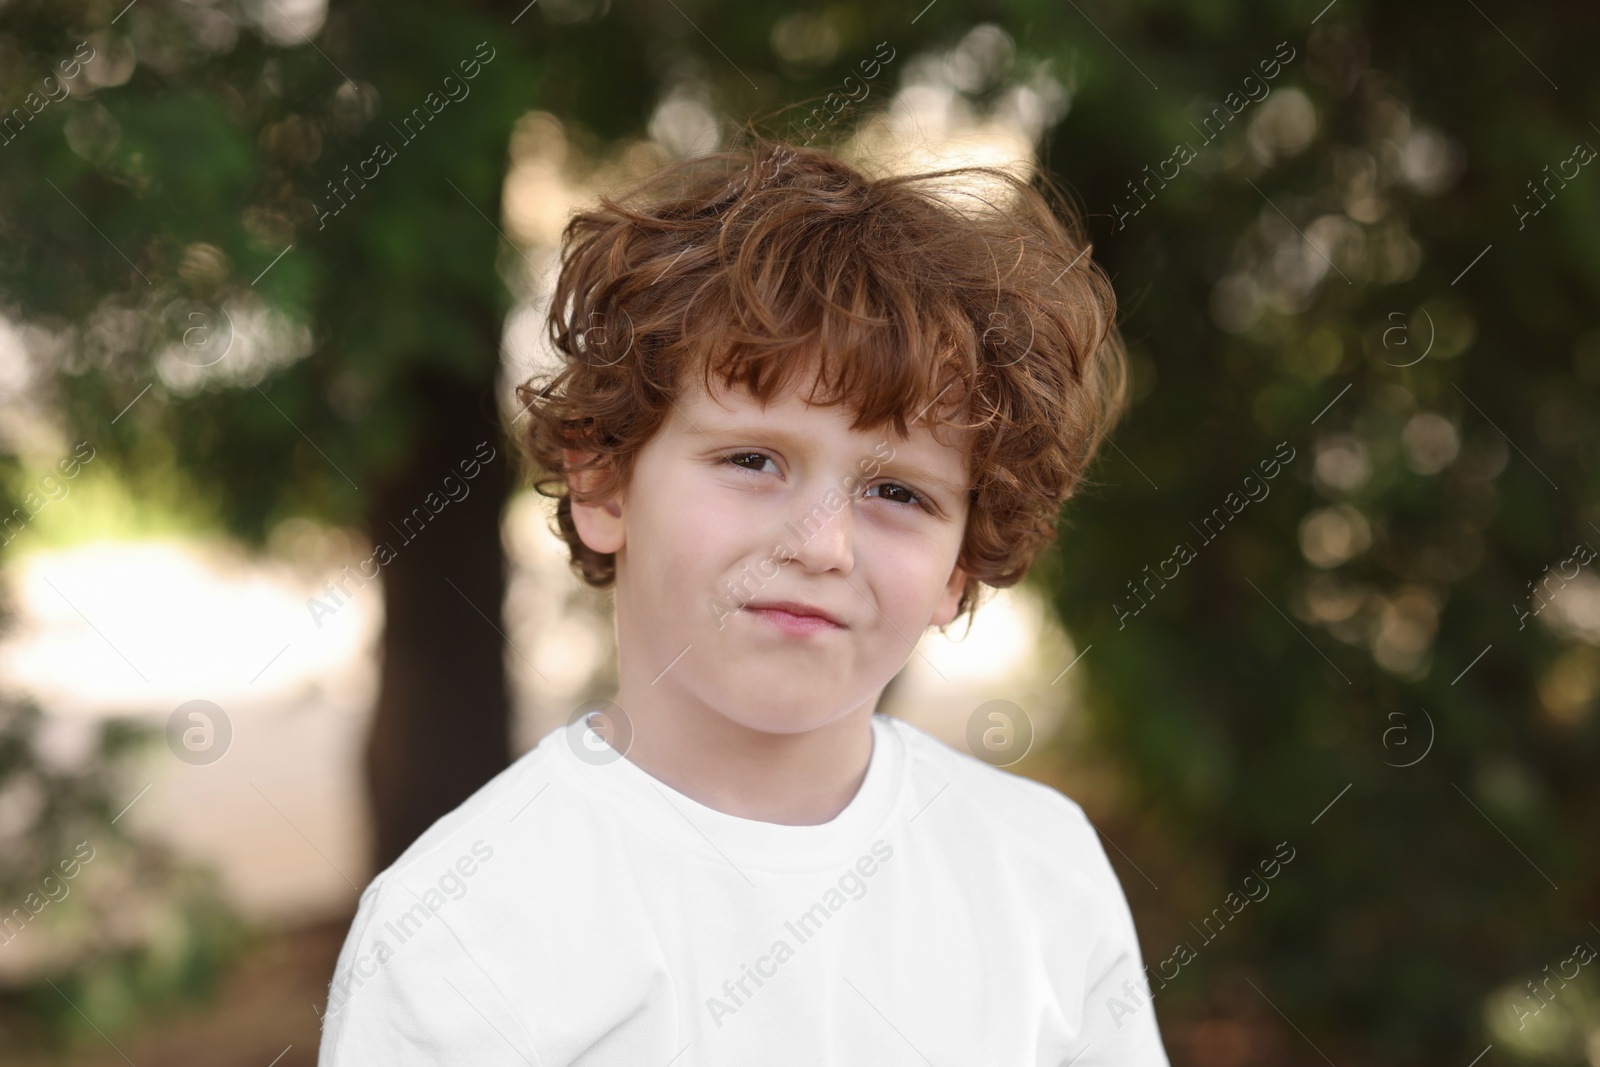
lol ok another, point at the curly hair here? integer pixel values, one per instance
(959, 287)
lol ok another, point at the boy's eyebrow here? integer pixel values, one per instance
(900, 466)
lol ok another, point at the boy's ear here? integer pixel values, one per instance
(950, 599)
(598, 523)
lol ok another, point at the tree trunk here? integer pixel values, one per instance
(441, 727)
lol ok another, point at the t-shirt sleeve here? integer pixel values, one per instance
(1119, 1021)
(406, 992)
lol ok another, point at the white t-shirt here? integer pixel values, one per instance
(575, 910)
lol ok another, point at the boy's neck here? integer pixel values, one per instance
(800, 779)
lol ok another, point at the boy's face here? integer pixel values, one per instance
(732, 504)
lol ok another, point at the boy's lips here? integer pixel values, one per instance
(794, 609)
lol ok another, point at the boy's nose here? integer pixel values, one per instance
(825, 533)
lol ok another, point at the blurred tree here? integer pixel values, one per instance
(214, 185)
(1343, 278)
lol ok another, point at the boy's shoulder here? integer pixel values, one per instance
(494, 803)
(1031, 820)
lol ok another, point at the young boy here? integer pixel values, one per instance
(801, 415)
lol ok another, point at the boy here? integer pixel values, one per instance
(800, 416)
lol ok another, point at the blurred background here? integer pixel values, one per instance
(274, 596)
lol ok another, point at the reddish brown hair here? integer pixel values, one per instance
(960, 287)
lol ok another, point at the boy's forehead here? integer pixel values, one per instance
(734, 406)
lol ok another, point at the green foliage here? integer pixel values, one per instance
(129, 927)
(1270, 673)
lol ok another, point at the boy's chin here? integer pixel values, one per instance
(762, 716)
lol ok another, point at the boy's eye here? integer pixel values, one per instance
(908, 498)
(737, 456)
(914, 500)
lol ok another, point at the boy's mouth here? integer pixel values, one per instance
(794, 617)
